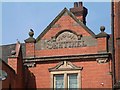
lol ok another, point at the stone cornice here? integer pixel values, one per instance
(70, 57)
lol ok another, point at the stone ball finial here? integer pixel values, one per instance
(31, 33)
(102, 28)
(13, 52)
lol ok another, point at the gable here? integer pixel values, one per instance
(65, 33)
(68, 28)
(65, 20)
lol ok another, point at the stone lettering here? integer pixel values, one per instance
(65, 40)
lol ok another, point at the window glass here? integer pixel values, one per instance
(72, 81)
(59, 81)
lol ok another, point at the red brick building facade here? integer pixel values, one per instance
(67, 54)
(116, 25)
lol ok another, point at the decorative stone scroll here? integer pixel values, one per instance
(32, 64)
(65, 39)
(102, 60)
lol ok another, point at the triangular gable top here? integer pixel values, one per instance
(65, 65)
(65, 10)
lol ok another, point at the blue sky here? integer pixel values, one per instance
(19, 17)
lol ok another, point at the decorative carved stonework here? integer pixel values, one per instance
(65, 65)
(102, 60)
(66, 36)
(31, 64)
(65, 39)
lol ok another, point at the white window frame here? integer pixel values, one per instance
(66, 73)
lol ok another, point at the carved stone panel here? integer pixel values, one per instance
(66, 36)
(66, 39)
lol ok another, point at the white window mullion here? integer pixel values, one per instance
(65, 80)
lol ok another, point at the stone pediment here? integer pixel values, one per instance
(65, 65)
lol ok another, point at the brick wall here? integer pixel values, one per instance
(92, 75)
(30, 49)
(102, 44)
(117, 41)
(14, 69)
(65, 22)
(64, 52)
(9, 82)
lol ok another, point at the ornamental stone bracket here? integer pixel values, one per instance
(31, 64)
(102, 60)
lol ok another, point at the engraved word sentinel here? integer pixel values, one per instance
(64, 40)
